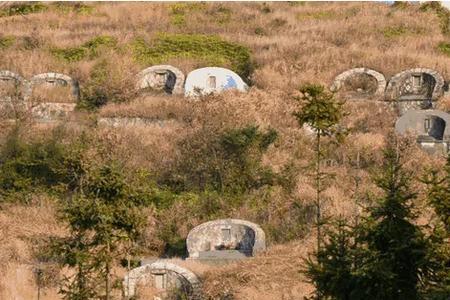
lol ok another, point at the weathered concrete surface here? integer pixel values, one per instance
(49, 111)
(340, 80)
(56, 79)
(164, 276)
(226, 234)
(11, 80)
(430, 126)
(162, 77)
(415, 84)
(210, 80)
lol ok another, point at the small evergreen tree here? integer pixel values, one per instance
(322, 112)
(384, 256)
(103, 218)
(438, 281)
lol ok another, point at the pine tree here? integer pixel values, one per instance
(103, 218)
(321, 112)
(438, 279)
(382, 257)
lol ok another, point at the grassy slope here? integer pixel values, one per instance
(290, 44)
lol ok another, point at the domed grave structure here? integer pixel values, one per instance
(416, 88)
(54, 96)
(430, 127)
(224, 240)
(360, 83)
(165, 78)
(159, 279)
(210, 80)
(11, 84)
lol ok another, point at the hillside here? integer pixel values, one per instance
(275, 48)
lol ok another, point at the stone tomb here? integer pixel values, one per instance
(360, 83)
(11, 84)
(430, 127)
(417, 88)
(164, 78)
(162, 278)
(210, 80)
(55, 96)
(226, 239)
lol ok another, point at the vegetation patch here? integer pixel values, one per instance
(90, 49)
(178, 12)
(209, 49)
(221, 15)
(76, 7)
(7, 41)
(442, 13)
(317, 15)
(444, 47)
(24, 8)
(396, 31)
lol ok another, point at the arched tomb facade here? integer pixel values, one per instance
(162, 277)
(430, 126)
(417, 88)
(210, 80)
(226, 238)
(164, 78)
(360, 83)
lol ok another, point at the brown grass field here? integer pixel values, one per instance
(291, 44)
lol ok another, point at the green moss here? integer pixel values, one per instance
(396, 31)
(178, 12)
(208, 49)
(7, 41)
(444, 47)
(320, 15)
(90, 49)
(23, 8)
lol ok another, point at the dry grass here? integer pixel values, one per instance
(291, 44)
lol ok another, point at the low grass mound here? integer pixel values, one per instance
(89, 49)
(209, 49)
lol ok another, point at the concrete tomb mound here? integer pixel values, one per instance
(164, 78)
(63, 87)
(360, 82)
(417, 88)
(210, 80)
(225, 239)
(162, 278)
(429, 126)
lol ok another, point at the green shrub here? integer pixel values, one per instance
(105, 84)
(228, 162)
(45, 165)
(90, 49)
(7, 41)
(208, 49)
(23, 8)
